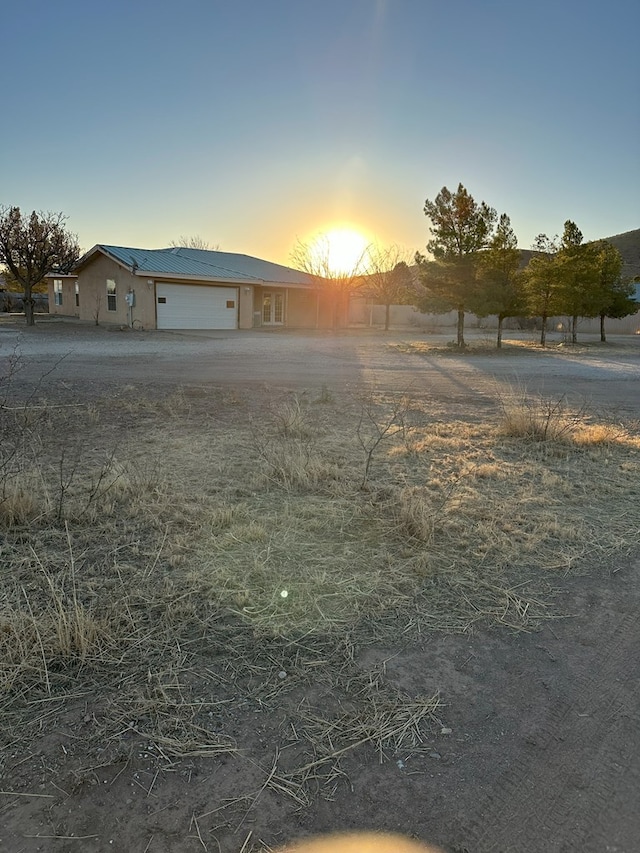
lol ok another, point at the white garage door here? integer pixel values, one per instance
(190, 306)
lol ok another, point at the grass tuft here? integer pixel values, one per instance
(535, 418)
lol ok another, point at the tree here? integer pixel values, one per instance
(617, 293)
(194, 242)
(12, 283)
(460, 228)
(315, 258)
(31, 248)
(578, 277)
(388, 280)
(500, 290)
(540, 281)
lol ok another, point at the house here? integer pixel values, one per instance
(181, 288)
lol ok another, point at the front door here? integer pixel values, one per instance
(273, 308)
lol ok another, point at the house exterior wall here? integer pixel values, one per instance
(68, 307)
(245, 307)
(303, 308)
(94, 302)
(92, 282)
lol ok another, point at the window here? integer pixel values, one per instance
(273, 308)
(111, 295)
(278, 305)
(57, 291)
(77, 295)
(266, 308)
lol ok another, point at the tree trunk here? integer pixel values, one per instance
(28, 307)
(574, 329)
(499, 341)
(461, 343)
(387, 313)
(335, 320)
(603, 336)
(543, 334)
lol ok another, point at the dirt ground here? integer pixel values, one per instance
(536, 745)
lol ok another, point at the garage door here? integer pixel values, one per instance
(190, 306)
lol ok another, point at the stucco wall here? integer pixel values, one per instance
(362, 312)
(302, 309)
(92, 281)
(68, 307)
(245, 307)
(93, 295)
(624, 326)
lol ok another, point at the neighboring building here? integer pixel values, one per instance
(180, 288)
(12, 300)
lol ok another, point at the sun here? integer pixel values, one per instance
(347, 249)
(341, 249)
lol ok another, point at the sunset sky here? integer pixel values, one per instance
(255, 123)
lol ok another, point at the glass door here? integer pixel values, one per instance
(273, 309)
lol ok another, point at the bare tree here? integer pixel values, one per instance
(194, 242)
(315, 258)
(32, 247)
(388, 280)
(97, 307)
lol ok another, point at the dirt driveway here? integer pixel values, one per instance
(539, 747)
(82, 359)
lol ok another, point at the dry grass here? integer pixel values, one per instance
(485, 345)
(536, 418)
(185, 555)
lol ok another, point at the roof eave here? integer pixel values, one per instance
(168, 276)
(61, 275)
(102, 249)
(99, 249)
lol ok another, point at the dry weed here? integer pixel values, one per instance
(535, 418)
(202, 557)
(21, 499)
(290, 419)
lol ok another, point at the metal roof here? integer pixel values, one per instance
(201, 264)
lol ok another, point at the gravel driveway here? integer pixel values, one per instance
(83, 359)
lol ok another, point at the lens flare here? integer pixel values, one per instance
(339, 251)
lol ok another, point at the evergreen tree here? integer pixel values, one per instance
(540, 282)
(460, 228)
(578, 278)
(499, 283)
(617, 293)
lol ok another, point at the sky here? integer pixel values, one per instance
(256, 124)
